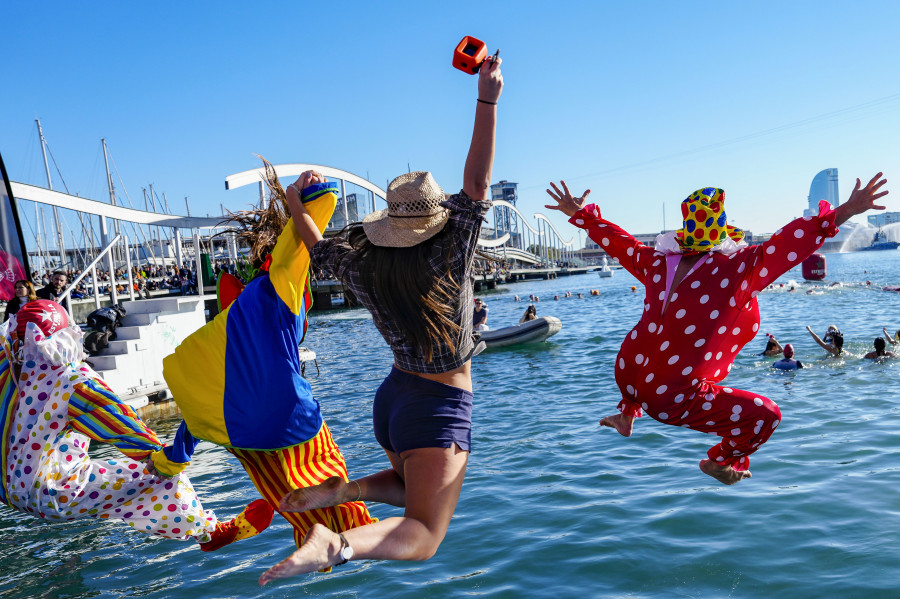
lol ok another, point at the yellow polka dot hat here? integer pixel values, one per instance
(704, 221)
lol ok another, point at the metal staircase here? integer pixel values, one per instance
(151, 330)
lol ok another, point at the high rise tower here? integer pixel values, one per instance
(504, 219)
(824, 187)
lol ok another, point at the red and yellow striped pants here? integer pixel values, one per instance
(278, 472)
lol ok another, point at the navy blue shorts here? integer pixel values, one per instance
(411, 412)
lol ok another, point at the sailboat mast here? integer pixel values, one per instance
(109, 179)
(61, 246)
(112, 194)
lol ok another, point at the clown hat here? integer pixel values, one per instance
(705, 223)
(49, 317)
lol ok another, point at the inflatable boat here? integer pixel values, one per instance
(532, 331)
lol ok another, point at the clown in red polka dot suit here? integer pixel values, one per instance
(700, 309)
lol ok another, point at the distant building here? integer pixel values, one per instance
(824, 187)
(884, 218)
(505, 220)
(356, 205)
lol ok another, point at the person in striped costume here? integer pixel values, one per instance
(251, 397)
(52, 405)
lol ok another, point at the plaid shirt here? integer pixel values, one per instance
(337, 257)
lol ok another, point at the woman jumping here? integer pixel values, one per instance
(411, 267)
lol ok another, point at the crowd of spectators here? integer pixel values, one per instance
(144, 279)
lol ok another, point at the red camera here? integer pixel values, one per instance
(469, 55)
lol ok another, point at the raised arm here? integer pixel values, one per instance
(777, 347)
(889, 338)
(861, 199)
(311, 203)
(97, 412)
(304, 223)
(824, 345)
(633, 256)
(480, 160)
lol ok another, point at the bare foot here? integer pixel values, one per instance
(622, 423)
(724, 474)
(331, 491)
(313, 555)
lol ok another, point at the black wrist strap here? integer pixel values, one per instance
(486, 102)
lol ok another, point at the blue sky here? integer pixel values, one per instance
(642, 102)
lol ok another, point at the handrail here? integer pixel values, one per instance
(66, 297)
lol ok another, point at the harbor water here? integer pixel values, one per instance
(554, 505)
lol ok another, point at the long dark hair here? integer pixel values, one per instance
(838, 339)
(424, 306)
(879, 346)
(260, 227)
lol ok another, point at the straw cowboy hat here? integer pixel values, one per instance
(413, 214)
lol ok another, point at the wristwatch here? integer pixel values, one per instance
(346, 552)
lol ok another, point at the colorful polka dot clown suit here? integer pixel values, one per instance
(672, 362)
(52, 405)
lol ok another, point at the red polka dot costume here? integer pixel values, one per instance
(687, 338)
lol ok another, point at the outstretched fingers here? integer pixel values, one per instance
(871, 190)
(566, 202)
(558, 195)
(872, 182)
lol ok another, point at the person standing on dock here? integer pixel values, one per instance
(252, 398)
(411, 266)
(52, 405)
(700, 309)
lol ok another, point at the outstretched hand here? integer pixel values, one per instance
(565, 201)
(862, 199)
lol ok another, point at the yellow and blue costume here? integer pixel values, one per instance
(237, 382)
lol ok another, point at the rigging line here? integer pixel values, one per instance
(121, 182)
(747, 137)
(164, 229)
(92, 183)
(24, 216)
(58, 172)
(72, 235)
(140, 238)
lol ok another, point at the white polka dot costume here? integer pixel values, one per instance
(47, 470)
(671, 362)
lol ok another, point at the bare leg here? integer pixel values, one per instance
(724, 474)
(434, 478)
(622, 423)
(384, 487)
